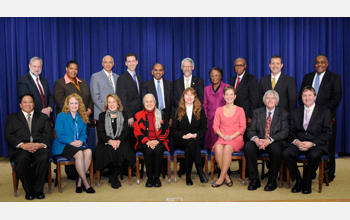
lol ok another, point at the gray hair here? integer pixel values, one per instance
(157, 112)
(107, 56)
(35, 59)
(187, 60)
(240, 58)
(272, 92)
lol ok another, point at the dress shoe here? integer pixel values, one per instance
(215, 185)
(203, 178)
(297, 186)
(115, 183)
(189, 182)
(254, 184)
(150, 183)
(229, 184)
(39, 195)
(157, 183)
(30, 196)
(90, 190)
(306, 189)
(271, 186)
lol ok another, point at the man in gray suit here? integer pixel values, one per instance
(102, 83)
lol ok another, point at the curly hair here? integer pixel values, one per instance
(81, 109)
(197, 106)
(116, 98)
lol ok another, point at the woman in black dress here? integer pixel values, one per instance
(113, 149)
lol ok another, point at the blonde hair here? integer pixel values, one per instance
(197, 106)
(116, 98)
(81, 109)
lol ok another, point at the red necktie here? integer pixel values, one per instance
(268, 126)
(238, 80)
(41, 92)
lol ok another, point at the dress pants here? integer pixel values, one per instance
(313, 156)
(32, 178)
(251, 152)
(192, 155)
(153, 159)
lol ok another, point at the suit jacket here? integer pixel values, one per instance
(319, 130)
(100, 87)
(61, 90)
(17, 130)
(329, 93)
(150, 87)
(26, 84)
(247, 93)
(180, 128)
(197, 83)
(64, 128)
(129, 96)
(279, 130)
(286, 89)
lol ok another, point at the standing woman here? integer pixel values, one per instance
(188, 129)
(213, 99)
(229, 125)
(113, 149)
(71, 139)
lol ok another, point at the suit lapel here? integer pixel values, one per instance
(193, 82)
(262, 116)
(35, 120)
(23, 119)
(314, 115)
(105, 78)
(242, 82)
(280, 82)
(153, 89)
(33, 84)
(326, 79)
(275, 119)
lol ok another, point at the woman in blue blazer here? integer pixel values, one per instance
(71, 138)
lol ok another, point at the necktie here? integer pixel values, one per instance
(160, 97)
(29, 121)
(187, 83)
(110, 80)
(41, 92)
(307, 119)
(317, 83)
(273, 83)
(238, 80)
(268, 126)
(137, 83)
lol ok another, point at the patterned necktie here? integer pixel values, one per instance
(273, 84)
(317, 83)
(307, 119)
(268, 126)
(29, 121)
(238, 80)
(187, 83)
(137, 83)
(110, 80)
(41, 92)
(160, 97)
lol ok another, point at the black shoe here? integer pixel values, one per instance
(149, 183)
(30, 196)
(306, 189)
(215, 185)
(115, 183)
(189, 181)
(297, 186)
(271, 186)
(90, 190)
(203, 178)
(39, 195)
(157, 183)
(254, 184)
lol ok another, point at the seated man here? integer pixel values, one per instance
(268, 132)
(28, 134)
(310, 130)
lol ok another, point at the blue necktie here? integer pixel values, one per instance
(160, 97)
(317, 83)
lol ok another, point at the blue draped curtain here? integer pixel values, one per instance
(208, 41)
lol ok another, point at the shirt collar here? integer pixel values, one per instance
(241, 76)
(67, 80)
(108, 74)
(26, 114)
(311, 107)
(156, 81)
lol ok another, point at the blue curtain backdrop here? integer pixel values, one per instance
(208, 41)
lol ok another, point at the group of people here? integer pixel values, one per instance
(134, 116)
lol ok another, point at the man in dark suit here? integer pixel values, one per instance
(162, 90)
(284, 85)
(268, 132)
(188, 80)
(328, 93)
(37, 85)
(310, 130)
(28, 134)
(129, 87)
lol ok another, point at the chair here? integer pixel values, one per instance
(139, 156)
(322, 170)
(181, 154)
(15, 178)
(235, 156)
(265, 157)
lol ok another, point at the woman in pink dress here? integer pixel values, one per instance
(213, 99)
(229, 125)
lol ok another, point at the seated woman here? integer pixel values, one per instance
(229, 125)
(188, 129)
(151, 132)
(71, 138)
(113, 149)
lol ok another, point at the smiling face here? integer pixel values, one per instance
(149, 103)
(27, 104)
(189, 98)
(72, 70)
(240, 66)
(275, 66)
(35, 67)
(131, 63)
(229, 96)
(321, 64)
(73, 105)
(270, 101)
(158, 71)
(308, 98)
(108, 64)
(112, 104)
(187, 68)
(215, 77)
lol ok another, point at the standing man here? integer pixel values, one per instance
(328, 93)
(33, 83)
(28, 134)
(188, 80)
(162, 90)
(284, 85)
(103, 83)
(129, 91)
(310, 130)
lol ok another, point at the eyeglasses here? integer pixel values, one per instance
(239, 65)
(270, 98)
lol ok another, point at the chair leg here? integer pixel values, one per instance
(326, 172)
(91, 174)
(262, 169)
(320, 178)
(129, 174)
(169, 167)
(49, 179)
(98, 175)
(137, 171)
(206, 165)
(288, 178)
(243, 170)
(212, 158)
(59, 177)
(142, 168)
(281, 175)
(175, 168)
(15, 180)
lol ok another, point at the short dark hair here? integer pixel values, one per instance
(321, 55)
(26, 94)
(276, 56)
(72, 62)
(157, 64)
(308, 88)
(216, 68)
(130, 55)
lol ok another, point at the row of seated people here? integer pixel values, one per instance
(269, 132)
